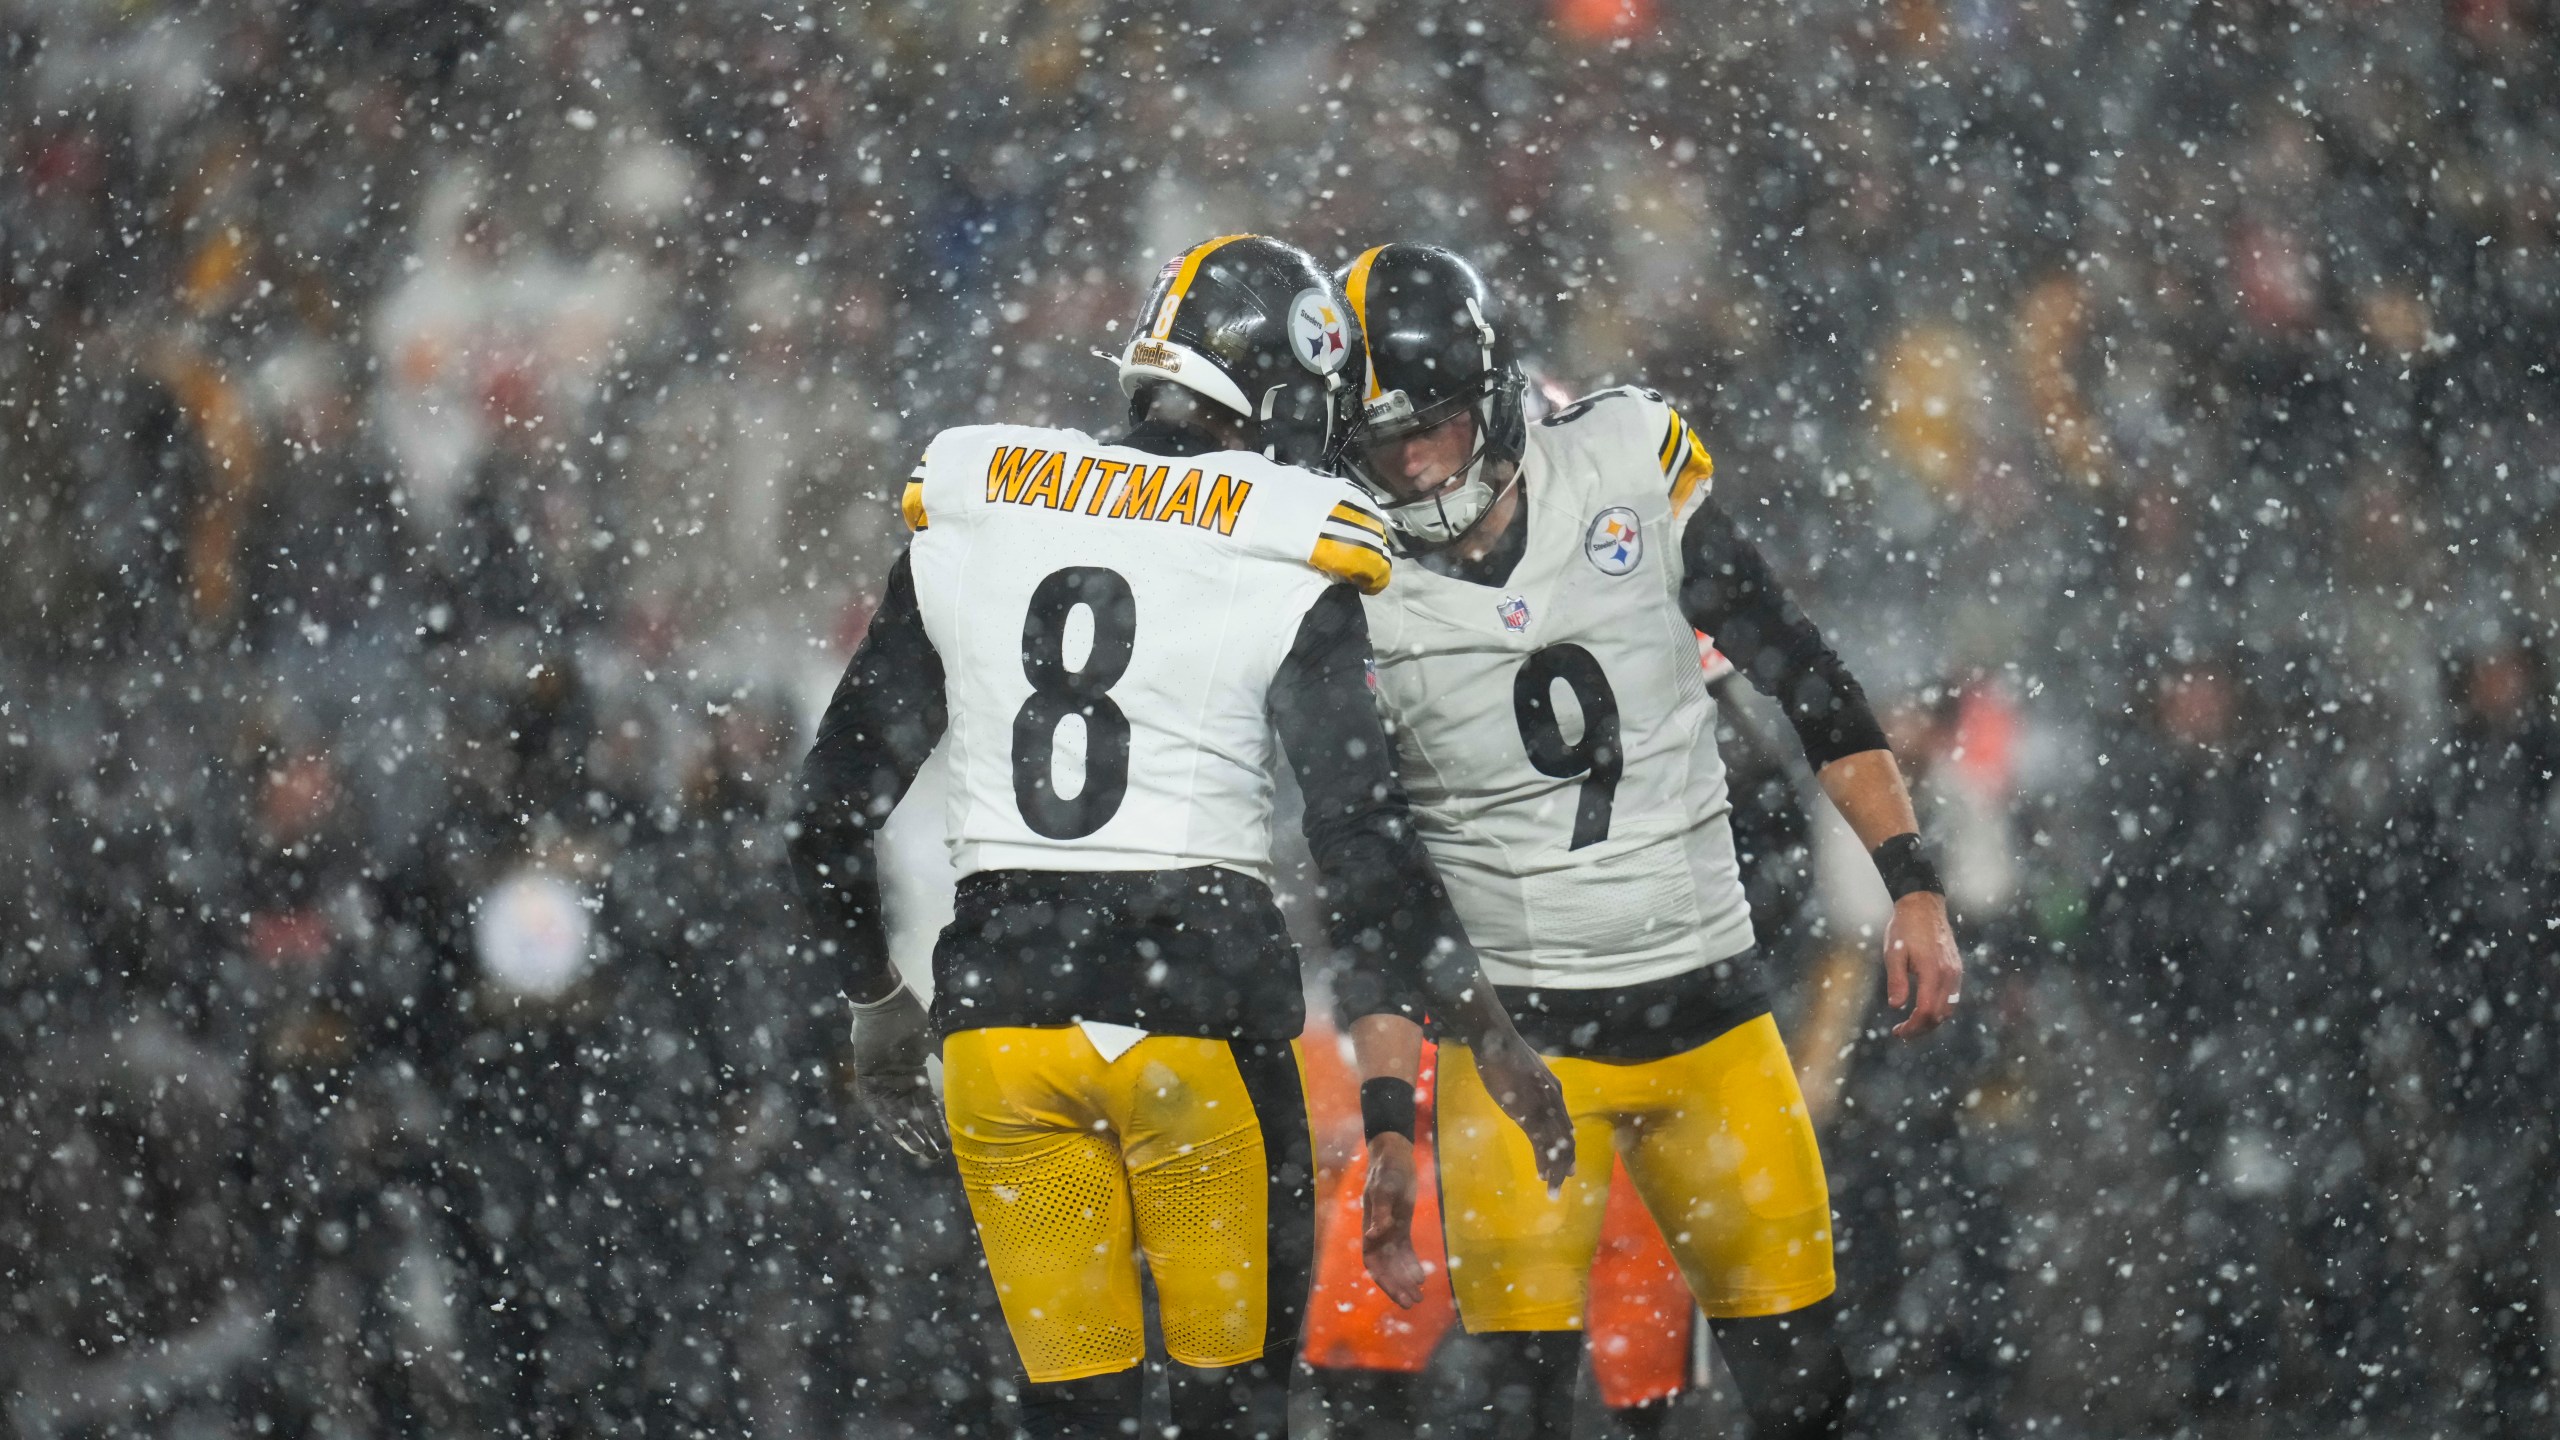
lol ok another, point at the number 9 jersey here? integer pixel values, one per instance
(1554, 730)
(1110, 622)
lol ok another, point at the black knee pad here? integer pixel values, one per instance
(1793, 1377)
(1100, 1407)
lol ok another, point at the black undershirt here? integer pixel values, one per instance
(1728, 590)
(1649, 1021)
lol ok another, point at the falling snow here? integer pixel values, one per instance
(451, 448)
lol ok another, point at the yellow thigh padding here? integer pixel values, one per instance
(1518, 1260)
(1073, 1165)
(1720, 1149)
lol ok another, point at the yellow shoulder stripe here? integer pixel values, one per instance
(1352, 564)
(1354, 515)
(1697, 471)
(911, 504)
(1670, 442)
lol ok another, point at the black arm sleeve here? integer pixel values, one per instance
(1730, 593)
(887, 715)
(1383, 902)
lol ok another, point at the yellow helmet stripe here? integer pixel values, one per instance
(1182, 279)
(1356, 289)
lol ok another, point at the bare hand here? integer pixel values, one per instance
(890, 1043)
(1529, 1093)
(1386, 1219)
(1921, 966)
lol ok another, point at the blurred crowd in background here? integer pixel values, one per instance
(449, 450)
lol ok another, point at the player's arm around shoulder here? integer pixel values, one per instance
(1387, 907)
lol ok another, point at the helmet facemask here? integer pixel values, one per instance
(1433, 383)
(1435, 509)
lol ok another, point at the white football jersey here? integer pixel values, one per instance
(1555, 731)
(1109, 623)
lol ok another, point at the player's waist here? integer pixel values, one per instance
(1195, 950)
(1646, 1020)
(1082, 858)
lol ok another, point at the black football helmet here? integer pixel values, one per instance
(1435, 350)
(1255, 325)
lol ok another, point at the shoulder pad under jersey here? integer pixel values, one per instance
(1688, 471)
(1351, 543)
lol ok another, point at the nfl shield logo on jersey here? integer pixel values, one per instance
(1613, 542)
(1514, 612)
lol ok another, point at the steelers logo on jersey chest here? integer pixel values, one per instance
(1614, 543)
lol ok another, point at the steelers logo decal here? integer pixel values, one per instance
(1317, 335)
(1613, 543)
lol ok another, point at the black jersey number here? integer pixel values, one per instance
(1057, 692)
(1595, 756)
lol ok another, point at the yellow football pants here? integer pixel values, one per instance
(1721, 1152)
(1194, 1153)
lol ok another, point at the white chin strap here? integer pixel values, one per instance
(1444, 517)
(1448, 515)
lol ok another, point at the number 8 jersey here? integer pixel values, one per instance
(1110, 622)
(1554, 730)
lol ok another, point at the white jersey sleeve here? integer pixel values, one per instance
(1109, 623)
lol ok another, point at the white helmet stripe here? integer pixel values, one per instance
(1148, 359)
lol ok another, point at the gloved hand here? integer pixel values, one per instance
(891, 1040)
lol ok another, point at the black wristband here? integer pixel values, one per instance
(1906, 868)
(1386, 1103)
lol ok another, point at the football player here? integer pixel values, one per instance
(1541, 680)
(1109, 637)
